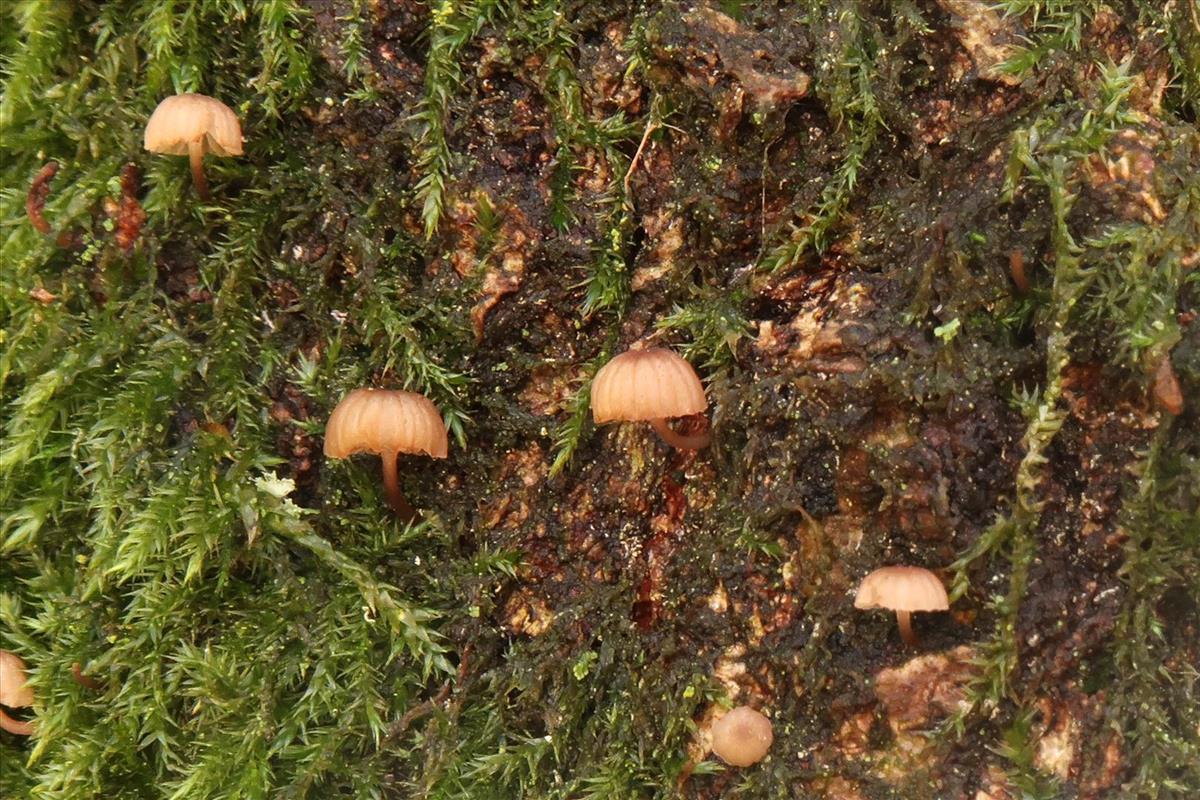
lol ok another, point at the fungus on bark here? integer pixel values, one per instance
(742, 737)
(15, 692)
(650, 386)
(387, 423)
(194, 124)
(903, 590)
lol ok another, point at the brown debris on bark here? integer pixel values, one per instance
(987, 34)
(42, 295)
(1166, 387)
(129, 216)
(748, 57)
(35, 200)
(1016, 268)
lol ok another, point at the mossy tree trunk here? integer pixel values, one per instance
(937, 262)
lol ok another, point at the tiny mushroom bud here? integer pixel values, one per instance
(387, 423)
(903, 590)
(14, 693)
(650, 385)
(742, 737)
(194, 124)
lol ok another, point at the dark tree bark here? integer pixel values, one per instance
(885, 235)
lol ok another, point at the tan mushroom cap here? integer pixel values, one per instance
(902, 589)
(384, 421)
(646, 385)
(15, 691)
(185, 118)
(742, 737)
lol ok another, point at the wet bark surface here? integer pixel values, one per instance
(891, 256)
(862, 392)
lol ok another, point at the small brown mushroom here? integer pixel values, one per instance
(742, 737)
(650, 385)
(388, 423)
(903, 590)
(194, 124)
(15, 692)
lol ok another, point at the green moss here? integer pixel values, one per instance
(846, 81)
(452, 28)
(714, 326)
(1155, 693)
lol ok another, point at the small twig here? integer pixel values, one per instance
(398, 728)
(651, 127)
(762, 201)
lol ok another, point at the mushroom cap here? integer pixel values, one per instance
(644, 385)
(742, 737)
(15, 692)
(385, 421)
(902, 589)
(185, 118)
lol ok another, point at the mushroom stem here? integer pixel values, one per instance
(904, 620)
(679, 440)
(196, 158)
(391, 483)
(15, 726)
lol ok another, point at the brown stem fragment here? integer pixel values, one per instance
(81, 679)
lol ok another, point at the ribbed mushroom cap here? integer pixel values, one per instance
(646, 384)
(742, 737)
(185, 118)
(14, 690)
(902, 589)
(385, 421)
